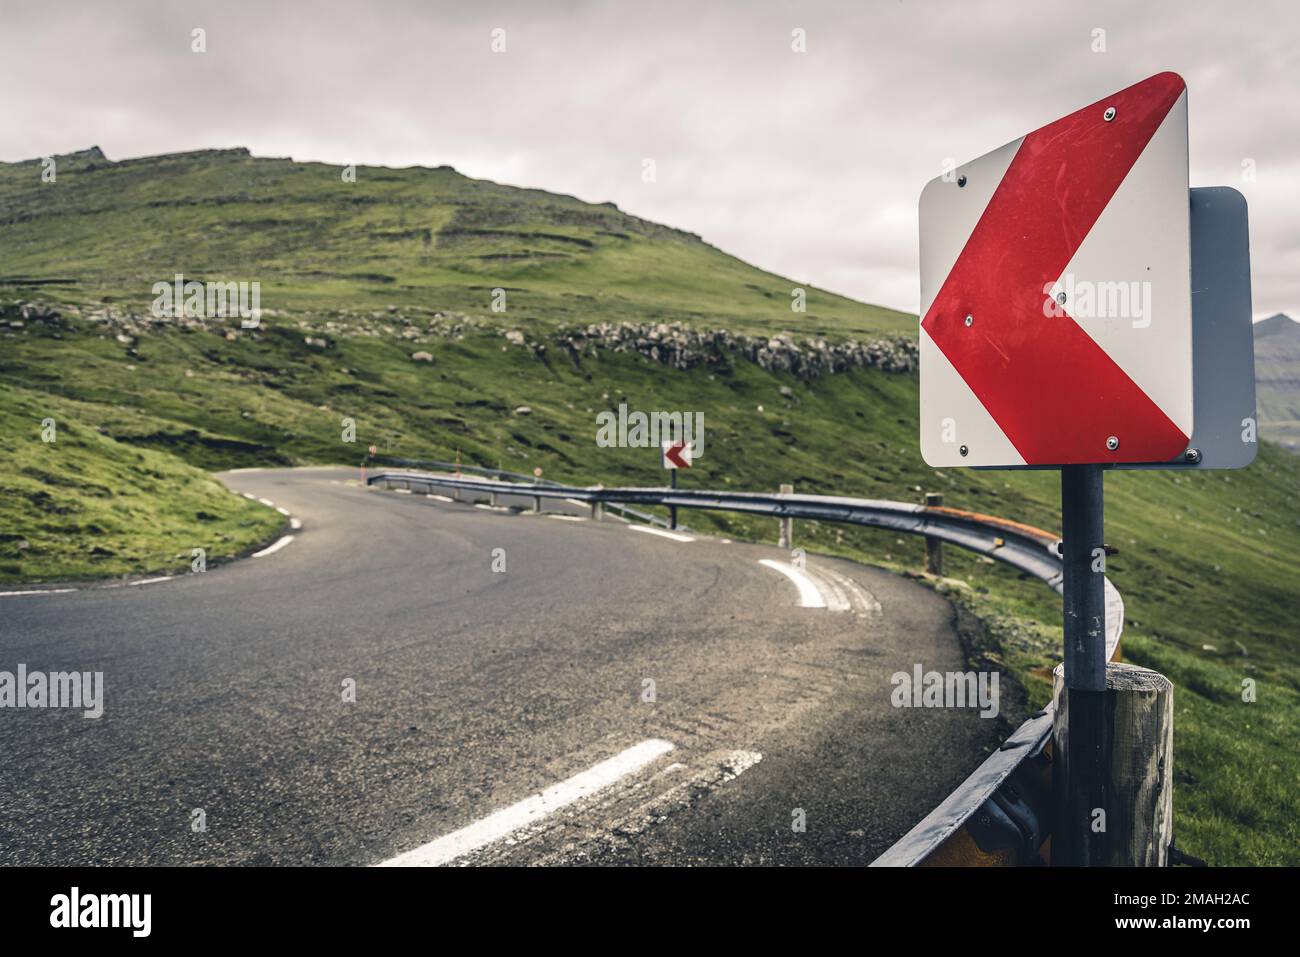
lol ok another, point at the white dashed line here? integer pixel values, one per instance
(36, 591)
(150, 581)
(295, 524)
(272, 549)
(282, 510)
(809, 596)
(267, 502)
(438, 498)
(249, 495)
(565, 518)
(676, 537)
(530, 810)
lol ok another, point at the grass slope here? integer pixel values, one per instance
(87, 506)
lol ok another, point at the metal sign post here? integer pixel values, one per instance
(1081, 778)
(674, 455)
(672, 509)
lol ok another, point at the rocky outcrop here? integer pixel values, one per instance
(683, 347)
(671, 344)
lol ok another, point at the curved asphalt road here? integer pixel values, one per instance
(474, 690)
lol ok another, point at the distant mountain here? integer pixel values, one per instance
(1277, 377)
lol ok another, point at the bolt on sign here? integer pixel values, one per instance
(1056, 293)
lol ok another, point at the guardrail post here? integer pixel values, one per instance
(933, 546)
(1138, 717)
(785, 526)
(597, 511)
(492, 499)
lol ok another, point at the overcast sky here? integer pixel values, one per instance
(807, 164)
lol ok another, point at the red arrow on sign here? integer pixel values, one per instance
(1053, 390)
(679, 454)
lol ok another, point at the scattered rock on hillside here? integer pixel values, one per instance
(422, 356)
(682, 347)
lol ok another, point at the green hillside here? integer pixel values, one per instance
(404, 237)
(634, 313)
(75, 503)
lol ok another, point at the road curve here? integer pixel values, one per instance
(740, 712)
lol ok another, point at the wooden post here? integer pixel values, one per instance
(1138, 719)
(785, 527)
(933, 546)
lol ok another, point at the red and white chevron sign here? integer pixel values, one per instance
(675, 454)
(1056, 292)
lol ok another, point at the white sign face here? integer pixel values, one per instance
(675, 455)
(1056, 313)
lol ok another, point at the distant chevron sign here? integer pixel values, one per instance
(676, 455)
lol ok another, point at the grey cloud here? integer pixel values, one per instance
(808, 165)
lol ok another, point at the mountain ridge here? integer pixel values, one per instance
(425, 236)
(1277, 379)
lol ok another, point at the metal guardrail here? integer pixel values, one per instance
(503, 474)
(1000, 813)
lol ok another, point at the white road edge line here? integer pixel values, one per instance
(282, 510)
(565, 518)
(530, 810)
(661, 533)
(272, 549)
(295, 524)
(150, 581)
(436, 497)
(809, 596)
(267, 502)
(37, 591)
